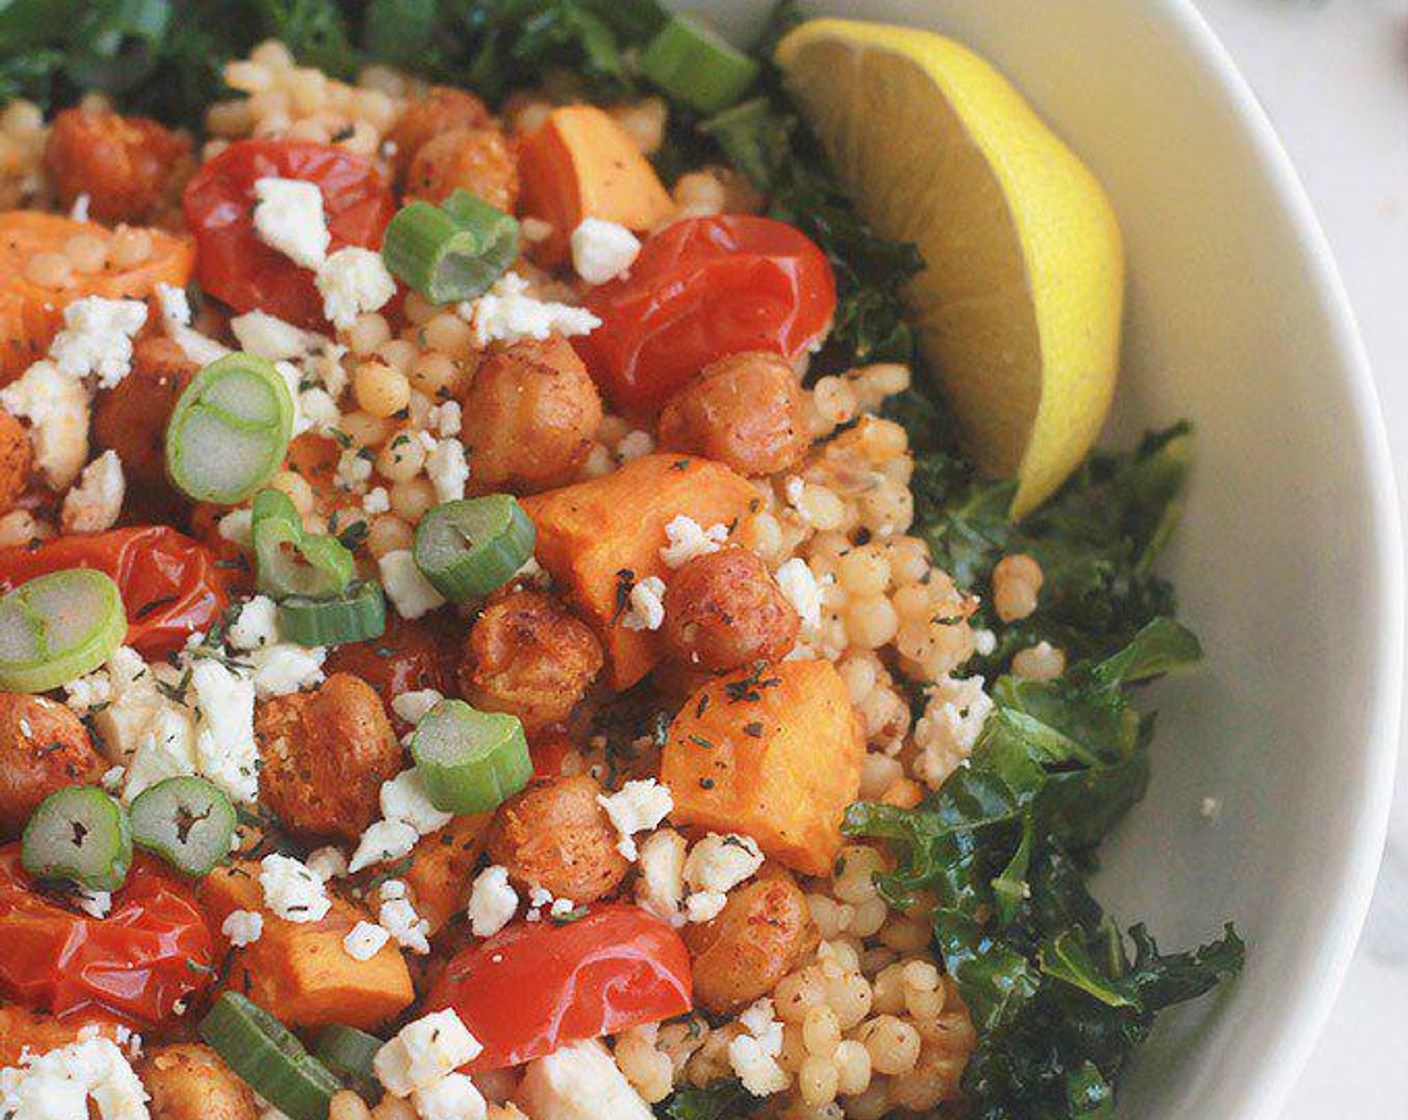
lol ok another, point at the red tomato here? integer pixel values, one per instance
(535, 985)
(234, 265)
(169, 583)
(549, 749)
(700, 290)
(152, 949)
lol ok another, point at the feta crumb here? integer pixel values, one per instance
(97, 338)
(984, 642)
(446, 418)
(1210, 809)
(409, 591)
(271, 338)
(292, 891)
(660, 885)
(237, 527)
(647, 599)
(319, 411)
(79, 210)
(377, 500)
(447, 469)
(414, 706)
(96, 904)
(753, 1056)
(174, 306)
(946, 733)
(506, 313)
(364, 941)
(288, 216)
(57, 1085)
(286, 667)
(381, 842)
(404, 798)
(721, 862)
(452, 1097)
(637, 806)
(492, 902)
(635, 445)
(602, 250)
(94, 502)
(579, 1081)
(800, 588)
(57, 408)
(354, 470)
(225, 748)
(326, 863)
(256, 626)
(243, 927)
(688, 540)
(423, 1052)
(704, 906)
(352, 281)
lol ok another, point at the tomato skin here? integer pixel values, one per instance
(536, 985)
(701, 289)
(169, 583)
(132, 963)
(235, 266)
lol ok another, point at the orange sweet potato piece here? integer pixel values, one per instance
(592, 532)
(773, 752)
(30, 315)
(442, 865)
(22, 1029)
(582, 164)
(300, 971)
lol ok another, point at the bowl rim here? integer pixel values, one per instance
(1287, 1045)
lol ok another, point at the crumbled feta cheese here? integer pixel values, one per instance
(1210, 809)
(352, 281)
(319, 411)
(113, 778)
(984, 642)
(409, 591)
(447, 469)
(95, 904)
(602, 250)
(285, 667)
(377, 500)
(165, 744)
(326, 863)
(413, 706)
(174, 306)
(288, 216)
(354, 470)
(94, 502)
(256, 626)
(636, 807)
(237, 527)
(800, 588)
(720, 863)
(562, 907)
(383, 841)
(452, 1097)
(946, 733)
(175, 311)
(506, 313)
(753, 1056)
(635, 445)
(404, 798)
(292, 891)
(492, 902)
(56, 406)
(579, 1081)
(399, 918)
(423, 1052)
(226, 752)
(446, 418)
(57, 1085)
(364, 941)
(271, 338)
(79, 210)
(704, 906)
(688, 539)
(86, 693)
(660, 885)
(647, 599)
(97, 338)
(243, 927)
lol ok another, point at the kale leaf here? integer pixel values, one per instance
(723, 1100)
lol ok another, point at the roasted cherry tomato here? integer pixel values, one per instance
(408, 657)
(234, 265)
(701, 289)
(536, 985)
(170, 585)
(549, 749)
(151, 950)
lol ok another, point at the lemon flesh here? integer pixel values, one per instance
(1018, 307)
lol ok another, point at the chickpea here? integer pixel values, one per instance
(188, 1081)
(744, 410)
(131, 417)
(16, 458)
(478, 160)
(529, 417)
(723, 610)
(43, 747)
(442, 109)
(129, 167)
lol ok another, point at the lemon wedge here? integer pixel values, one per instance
(1018, 307)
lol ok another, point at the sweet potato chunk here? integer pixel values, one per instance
(442, 865)
(599, 537)
(300, 971)
(15, 460)
(38, 1033)
(773, 752)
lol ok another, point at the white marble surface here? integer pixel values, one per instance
(1333, 76)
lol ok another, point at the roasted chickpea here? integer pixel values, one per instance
(189, 1081)
(326, 754)
(724, 609)
(43, 747)
(410, 656)
(477, 160)
(16, 458)
(131, 417)
(442, 109)
(528, 655)
(762, 932)
(744, 410)
(529, 416)
(555, 835)
(130, 168)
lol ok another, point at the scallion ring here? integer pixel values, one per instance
(349, 1053)
(58, 626)
(694, 64)
(453, 251)
(470, 547)
(185, 820)
(471, 761)
(229, 430)
(81, 834)
(359, 613)
(290, 561)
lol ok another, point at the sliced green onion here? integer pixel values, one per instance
(755, 138)
(289, 561)
(268, 1057)
(229, 430)
(691, 62)
(473, 546)
(357, 614)
(471, 761)
(81, 834)
(453, 251)
(58, 626)
(349, 1053)
(187, 821)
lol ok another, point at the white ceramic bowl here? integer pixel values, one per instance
(1288, 561)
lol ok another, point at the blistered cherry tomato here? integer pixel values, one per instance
(170, 585)
(701, 289)
(536, 985)
(234, 265)
(152, 949)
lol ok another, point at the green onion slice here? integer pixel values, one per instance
(471, 761)
(187, 821)
(349, 1053)
(58, 626)
(268, 1057)
(357, 614)
(473, 546)
(692, 63)
(453, 251)
(289, 561)
(230, 430)
(81, 834)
